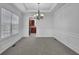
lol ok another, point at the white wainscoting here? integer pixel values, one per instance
(71, 40)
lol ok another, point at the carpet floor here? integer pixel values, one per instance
(39, 46)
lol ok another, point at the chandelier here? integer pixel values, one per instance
(39, 15)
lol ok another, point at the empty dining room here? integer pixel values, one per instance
(39, 28)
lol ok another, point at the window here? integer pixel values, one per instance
(9, 23)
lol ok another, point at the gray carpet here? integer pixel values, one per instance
(39, 46)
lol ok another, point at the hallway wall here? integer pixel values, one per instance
(65, 26)
(9, 41)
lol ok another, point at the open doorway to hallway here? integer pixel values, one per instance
(32, 26)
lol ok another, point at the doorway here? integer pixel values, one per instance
(32, 27)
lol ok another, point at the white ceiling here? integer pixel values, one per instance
(33, 7)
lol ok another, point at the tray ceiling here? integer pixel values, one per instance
(33, 7)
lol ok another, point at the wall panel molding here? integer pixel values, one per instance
(71, 40)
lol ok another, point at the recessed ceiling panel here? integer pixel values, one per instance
(42, 6)
(33, 7)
